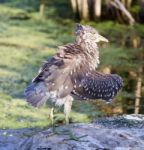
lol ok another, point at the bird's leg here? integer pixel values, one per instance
(52, 116)
(67, 108)
(52, 121)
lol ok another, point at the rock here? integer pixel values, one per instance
(116, 133)
(94, 137)
(125, 121)
(9, 138)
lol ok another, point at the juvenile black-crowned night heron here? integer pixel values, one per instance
(72, 72)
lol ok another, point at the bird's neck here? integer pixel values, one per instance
(90, 49)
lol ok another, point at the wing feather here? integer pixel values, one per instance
(99, 86)
(55, 72)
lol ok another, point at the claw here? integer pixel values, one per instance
(75, 138)
(70, 134)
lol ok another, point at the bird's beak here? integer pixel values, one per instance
(100, 38)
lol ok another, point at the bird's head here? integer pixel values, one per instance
(88, 34)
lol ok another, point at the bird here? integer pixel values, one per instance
(71, 74)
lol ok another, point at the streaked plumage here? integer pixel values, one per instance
(72, 72)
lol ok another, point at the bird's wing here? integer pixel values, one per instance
(52, 81)
(55, 74)
(48, 69)
(98, 86)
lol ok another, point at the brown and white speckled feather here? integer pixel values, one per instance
(71, 71)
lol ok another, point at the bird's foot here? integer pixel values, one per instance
(76, 138)
(71, 135)
(55, 131)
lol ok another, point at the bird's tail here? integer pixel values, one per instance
(36, 94)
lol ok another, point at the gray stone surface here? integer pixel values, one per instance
(117, 133)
